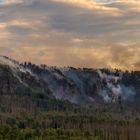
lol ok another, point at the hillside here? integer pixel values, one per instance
(76, 85)
(42, 102)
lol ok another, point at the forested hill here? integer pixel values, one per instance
(38, 102)
(80, 86)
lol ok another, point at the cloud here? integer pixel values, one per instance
(7, 2)
(80, 33)
(92, 5)
(122, 57)
(17, 23)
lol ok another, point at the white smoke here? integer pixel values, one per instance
(15, 68)
(113, 89)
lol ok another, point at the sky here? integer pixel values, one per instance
(78, 33)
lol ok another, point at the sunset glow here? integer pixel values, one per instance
(79, 33)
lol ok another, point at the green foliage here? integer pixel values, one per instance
(29, 113)
(63, 126)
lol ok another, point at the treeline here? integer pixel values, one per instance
(60, 126)
(31, 113)
(31, 118)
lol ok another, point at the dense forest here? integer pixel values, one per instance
(32, 113)
(31, 118)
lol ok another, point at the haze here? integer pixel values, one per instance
(79, 33)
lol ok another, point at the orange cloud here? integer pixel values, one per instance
(73, 32)
(121, 57)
